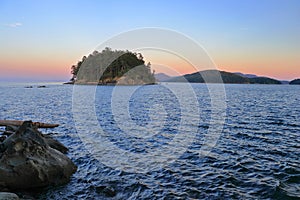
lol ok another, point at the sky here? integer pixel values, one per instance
(41, 40)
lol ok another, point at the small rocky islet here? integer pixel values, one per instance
(31, 160)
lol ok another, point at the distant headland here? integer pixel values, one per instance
(295, 82)
(213, 76)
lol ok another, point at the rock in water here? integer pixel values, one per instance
(27, 161)
(8, 196)
(55, 144)
(106, 190)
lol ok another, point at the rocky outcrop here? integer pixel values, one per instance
(28, 161)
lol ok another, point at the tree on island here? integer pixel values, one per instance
(110, 66)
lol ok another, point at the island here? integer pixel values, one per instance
(110, 67)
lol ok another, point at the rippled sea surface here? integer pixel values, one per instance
(145, 142)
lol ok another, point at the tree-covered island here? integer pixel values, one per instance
(112, 67)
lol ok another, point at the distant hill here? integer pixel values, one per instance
(264, 80)
(295, 82)
(285, 82)
(254, 79)
(246, 75)
(160, 77)
(260, 79)
(212, 76)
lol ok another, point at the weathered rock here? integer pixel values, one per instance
(2, 138)
(8, 196)
(27, 161)
(9, 130)
(55, 144)
(106, 190)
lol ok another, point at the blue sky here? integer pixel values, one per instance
(42, 39)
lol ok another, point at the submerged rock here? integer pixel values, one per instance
(106, 190)
(28, 161)
(8, 196)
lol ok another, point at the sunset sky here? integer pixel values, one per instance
(40, 40)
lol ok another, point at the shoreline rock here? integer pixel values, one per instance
(28, 160)
(8, 196)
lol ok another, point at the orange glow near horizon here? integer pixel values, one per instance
(260, 37)
(39, 69)
(277, 69)
(170, 64)
(37, 66)
(269, 67)
(58, 67)
(281, 65)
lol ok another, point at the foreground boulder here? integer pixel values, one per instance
(27, 161)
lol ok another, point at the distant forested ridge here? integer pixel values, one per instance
(295, 82)
(216, 76)
(264, 80)
(209, 76)
(112, 67)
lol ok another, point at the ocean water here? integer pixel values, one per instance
(169, 141)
